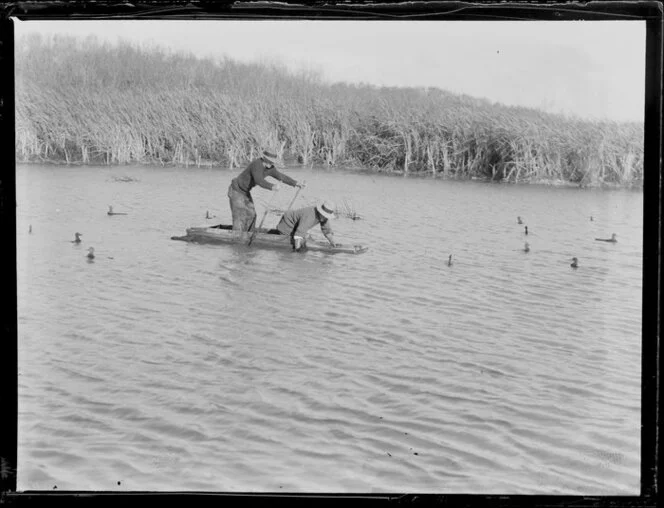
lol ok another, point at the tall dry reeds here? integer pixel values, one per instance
(94, 103)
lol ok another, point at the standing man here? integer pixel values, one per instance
(239, 191)
(296, 223)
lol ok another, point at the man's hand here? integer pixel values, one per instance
(276, 186)
(298, 243)
(301, 185)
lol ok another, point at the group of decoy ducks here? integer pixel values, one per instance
(77, 240)
(91, 250)
(575, 261)
(77, 236)
(526, 247)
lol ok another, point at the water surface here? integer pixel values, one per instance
(163, 365)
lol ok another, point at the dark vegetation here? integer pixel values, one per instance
(83, 101)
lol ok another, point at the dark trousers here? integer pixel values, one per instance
(291, 235)
(242, 209)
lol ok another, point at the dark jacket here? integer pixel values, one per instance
(298, 222)
(255, 175)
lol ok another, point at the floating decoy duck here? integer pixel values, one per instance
(449, 260)
(91, 253)
(111, 212)
(526, 248)
(208, 216)
(30, 229)
(591, 218)
(526, 229)
(612, 239)
(575, 263)
(77, 238)
(519, 221)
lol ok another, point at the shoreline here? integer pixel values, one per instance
(554, 182)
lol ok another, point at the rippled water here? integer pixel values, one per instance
(163, 365)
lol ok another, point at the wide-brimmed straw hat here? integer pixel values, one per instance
(270, 157)
(326, 209)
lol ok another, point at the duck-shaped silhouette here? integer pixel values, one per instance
(519, 221)
(77, 238)
(526, 230)
(208, 216)
(575, 263)
(449, 260)
(91, 253)
(111, 212)
(526, 248)
(612, 239)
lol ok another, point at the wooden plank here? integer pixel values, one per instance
(223, 234)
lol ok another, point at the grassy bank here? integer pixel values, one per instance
(81, 101)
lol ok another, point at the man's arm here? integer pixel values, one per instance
(281, 177)
(330, 238)
(327, 232)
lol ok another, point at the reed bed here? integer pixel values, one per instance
(82, 101)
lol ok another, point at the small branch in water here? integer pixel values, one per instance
(348, 210)
(125, 179)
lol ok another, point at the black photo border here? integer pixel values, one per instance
(649, 11)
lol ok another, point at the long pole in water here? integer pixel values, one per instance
(267, 209)
(295, 197)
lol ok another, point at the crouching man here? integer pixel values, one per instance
(296, 223)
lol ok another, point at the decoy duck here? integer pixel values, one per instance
(208, 216)
(77, 238)
(591, 218)
(575, 263)
(526, 248)
(111, 212)
(526, 229)
(519, 221)
(30, 229)
(612, 239)
(449, 260)
(91, 253)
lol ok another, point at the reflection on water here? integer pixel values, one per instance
(164, 365)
